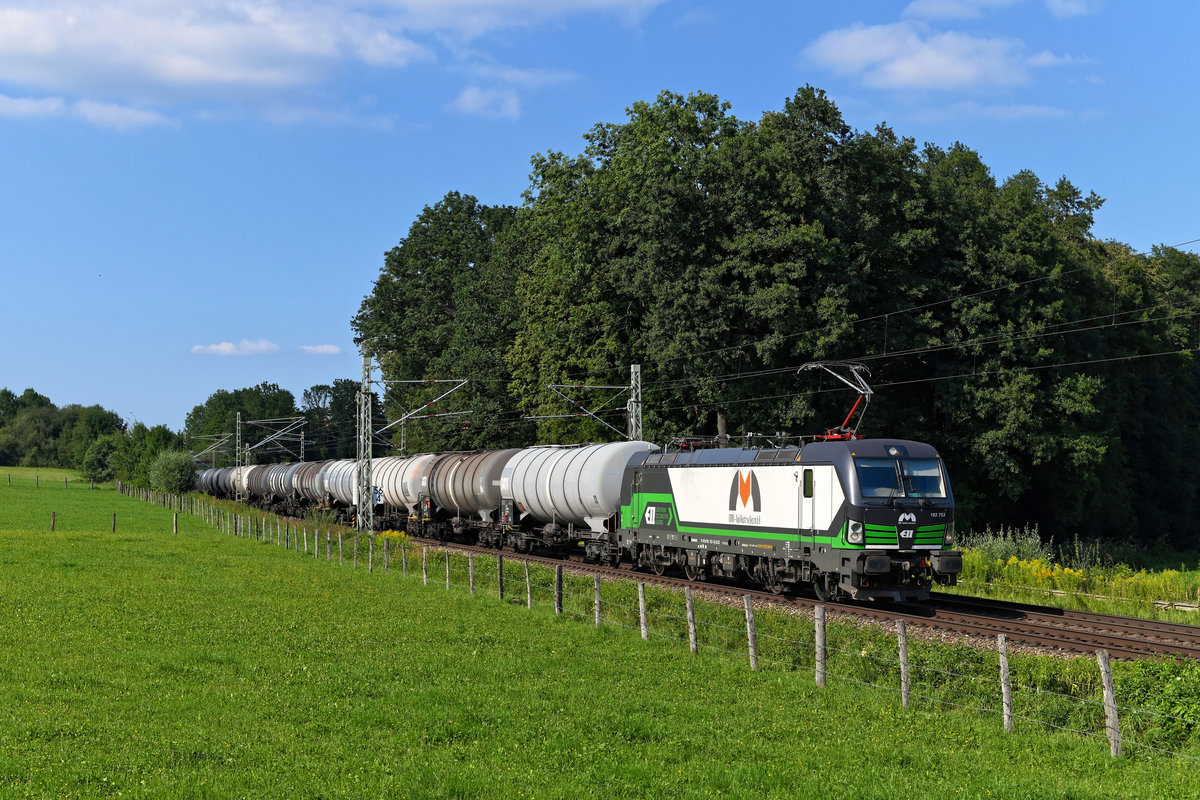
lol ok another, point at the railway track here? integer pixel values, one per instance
(1034, 626)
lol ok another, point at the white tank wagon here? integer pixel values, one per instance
(575, 486)
(341, 481)
(388, 474)
(281, 480)
(257, 484)
(222, 481)
(305, 481)
(472, 487)
(247, 478)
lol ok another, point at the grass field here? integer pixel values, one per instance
(142, 664)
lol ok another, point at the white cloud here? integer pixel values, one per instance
(24, 107)
(899, 56)
(160, 48)
(156, 51)
(242, 348)
(953, 9)
(1048, 59)
(973, 9)
(523, 78)
(1012, 112)
(321, 349)
(488, 103)
(104, 115)
(122, 118)
(472, 18)
(1072, 8)
(303, 115)
(130, 64)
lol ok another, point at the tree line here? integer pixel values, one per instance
(34, 432)
(1054, 371)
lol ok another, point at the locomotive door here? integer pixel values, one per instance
(807, 500)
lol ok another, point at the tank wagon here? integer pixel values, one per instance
(863, 519)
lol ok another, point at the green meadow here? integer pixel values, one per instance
(200, 665)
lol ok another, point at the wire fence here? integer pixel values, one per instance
(1036, 691)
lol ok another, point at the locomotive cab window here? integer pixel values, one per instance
(901, 477)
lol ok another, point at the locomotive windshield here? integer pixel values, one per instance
(901, 477)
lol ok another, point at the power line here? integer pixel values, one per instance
(936, 379)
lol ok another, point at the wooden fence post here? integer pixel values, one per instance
(341, 558)
(902, 635)
(751, 633)
(356, 549)
(500, 574)
(471, 571)
(53, 514)
(596, 579)
(328, 546)
(403, 560)
(424, 565)
(558, 600)
(691, 620)
(447, 552)
(386, 565)
(819, 618)
(1112, 724)
(175, 523)
(1005, 683)
(642, 611)
(528, 587)
(114, 527)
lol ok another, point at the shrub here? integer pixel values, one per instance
(1001, 545)
(173, 471)
(98, 462)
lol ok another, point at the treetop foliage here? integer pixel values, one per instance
(1054, 371)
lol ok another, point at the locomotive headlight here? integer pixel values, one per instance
(949, 540)
(854, 533)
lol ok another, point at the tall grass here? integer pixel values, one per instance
(1017, 563)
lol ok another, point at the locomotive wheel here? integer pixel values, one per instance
(658, 566)
(775, 585)
(693, 572)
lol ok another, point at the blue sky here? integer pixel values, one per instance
(197, 195)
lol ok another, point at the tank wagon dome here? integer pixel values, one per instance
(580, 485)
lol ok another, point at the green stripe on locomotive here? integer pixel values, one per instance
(632, 515)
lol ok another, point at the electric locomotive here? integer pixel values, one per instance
(864, 519)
